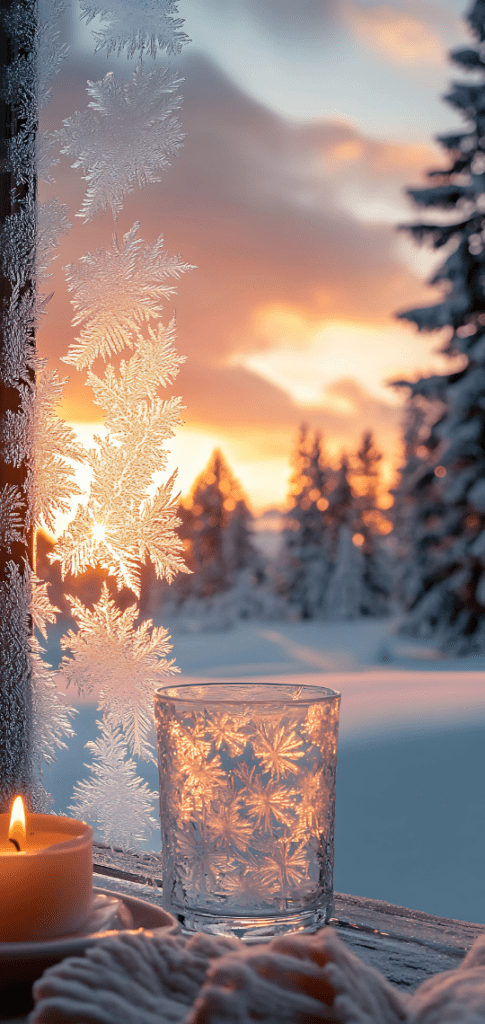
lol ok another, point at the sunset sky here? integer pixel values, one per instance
(305, 121)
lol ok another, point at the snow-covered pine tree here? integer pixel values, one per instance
(343, 597)
(411, 510)
(304, 563)
(215, 529)
(346, 596)
(341, 507)
(365, 473)
(370, 525)
(448, 599)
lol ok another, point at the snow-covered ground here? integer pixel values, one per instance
(410, 823)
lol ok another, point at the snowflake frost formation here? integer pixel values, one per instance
(18, 238)
(115, 797)
(11, 515)
(125, 662)
(51, 717)
(41, 609)
(51, 51)
(36, 433)
(122, 524)
(123, 140)
(19, 318)
(115, 292)
(52, 222)
(128, 134)
(140, 26)
(54, 443)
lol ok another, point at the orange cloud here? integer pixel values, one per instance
(230, 204)
(343, 150)
(254, 201)
(397, 35)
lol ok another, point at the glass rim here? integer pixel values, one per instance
(314, 693)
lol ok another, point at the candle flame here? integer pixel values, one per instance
(17, 830)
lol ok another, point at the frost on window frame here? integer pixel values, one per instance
(123, 140)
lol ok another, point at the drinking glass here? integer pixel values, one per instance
(247, 804)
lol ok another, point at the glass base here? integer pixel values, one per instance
(252, 929)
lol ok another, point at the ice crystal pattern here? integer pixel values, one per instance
(122, 522)
(122, 141)
(115, 292)
(125, 138)
(113, 789)
(52, 222)
(247, 804)
(55, 447)
(137, 26)
(126, 663)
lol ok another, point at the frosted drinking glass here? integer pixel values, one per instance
(247, 805)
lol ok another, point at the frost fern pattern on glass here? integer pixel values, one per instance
(247, 819)
(104, 797)
(37, 481)
(140, 28)
(123, 140)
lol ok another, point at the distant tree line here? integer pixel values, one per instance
(348, 548)
(332, 561)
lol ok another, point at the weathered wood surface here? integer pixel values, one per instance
(407, 946)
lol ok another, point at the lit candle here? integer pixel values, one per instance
(46, 875)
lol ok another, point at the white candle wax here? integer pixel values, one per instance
(46, 885)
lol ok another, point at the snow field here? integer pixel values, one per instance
(410, 822)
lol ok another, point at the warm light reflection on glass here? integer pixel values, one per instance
(248, 795)
(99, 532)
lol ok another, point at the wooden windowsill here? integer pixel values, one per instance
(407, 946)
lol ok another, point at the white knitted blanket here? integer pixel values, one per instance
(148, 978)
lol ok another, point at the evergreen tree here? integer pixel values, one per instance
(346, 592)
(359, 579)
(216, 532)
(412, 502)
(303, 572)
(449, 580)
(366, 472)
(341, 507)
(369, 525)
